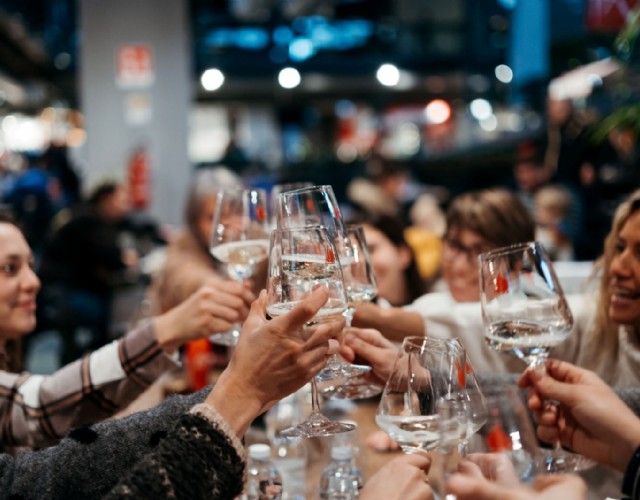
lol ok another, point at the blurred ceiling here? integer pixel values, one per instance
(447, 47)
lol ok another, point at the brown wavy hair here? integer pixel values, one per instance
(497, 215)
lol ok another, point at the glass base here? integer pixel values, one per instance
(341, 370)
(229, 338)
(563, 461)
(356, 388)
(317, 425)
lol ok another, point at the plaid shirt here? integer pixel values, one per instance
(37, 410)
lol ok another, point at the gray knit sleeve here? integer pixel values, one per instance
(199, 459)
(90, 460)
(631, 397)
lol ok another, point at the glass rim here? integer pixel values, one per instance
(419, 341)
(222, 190)
(498, 252)
(315, 187)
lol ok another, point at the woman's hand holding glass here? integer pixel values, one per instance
(589, 418)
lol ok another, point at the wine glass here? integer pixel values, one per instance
(300, 260)
(509, 431)
(317, 206)
(239, 240)
(276, 190)
(361, 287)
(426, 373)
(526, 313)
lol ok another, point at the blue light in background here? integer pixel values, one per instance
(282, 35)
(243, 38)
(508, 4)
(252, 38)
(301, 49)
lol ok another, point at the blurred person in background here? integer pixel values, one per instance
(35, 197)
(386, 189)
(552, 207)
(425, 233)
(189, 263)
(393, 261)
(81, 263)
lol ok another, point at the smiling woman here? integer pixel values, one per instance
(610, 345)
(36, 410)
(18, 283)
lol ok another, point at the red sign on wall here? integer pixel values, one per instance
(608, 15)
(134, 66)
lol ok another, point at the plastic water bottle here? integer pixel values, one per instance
(291, 460)
(265, 482)
(341, 479)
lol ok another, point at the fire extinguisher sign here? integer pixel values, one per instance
(134, 66)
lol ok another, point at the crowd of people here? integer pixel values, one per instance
(426, 265)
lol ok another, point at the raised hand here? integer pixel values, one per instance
(472, 483)
(403, 478)
(369, 345)
(273, 359)
(210, 309)
(590, 418)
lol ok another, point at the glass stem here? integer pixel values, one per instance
(348, 316)
(315, 401)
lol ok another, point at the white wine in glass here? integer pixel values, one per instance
(426, 371)
(300, 260)
(317, 206)
(361, 286)
(239, 240)
(525, 313)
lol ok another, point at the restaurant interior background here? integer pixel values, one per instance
(295, 89)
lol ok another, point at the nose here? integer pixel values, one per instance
(620, 264)
(30, 281)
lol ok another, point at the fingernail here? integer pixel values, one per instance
(536, 374)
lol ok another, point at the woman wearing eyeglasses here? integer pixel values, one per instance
(476, 222)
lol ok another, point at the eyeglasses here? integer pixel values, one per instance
(454, 247)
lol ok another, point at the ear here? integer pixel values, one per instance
(404, 252)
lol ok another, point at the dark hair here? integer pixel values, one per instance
(102, 191)
(393, 230)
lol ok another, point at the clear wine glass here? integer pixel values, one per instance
(526, 313)
(426, 373)
(361, 287)
(278, 189)
(300, 260)
(239, 240)
(509, 431)
(317, 206)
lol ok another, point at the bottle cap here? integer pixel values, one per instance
(341, 453)
(260, 451)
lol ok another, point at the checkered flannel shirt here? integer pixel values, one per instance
(37, 410)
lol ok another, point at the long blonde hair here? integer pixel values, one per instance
(607, 329)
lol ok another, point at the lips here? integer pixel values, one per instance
(29, 305)
(622, 295)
